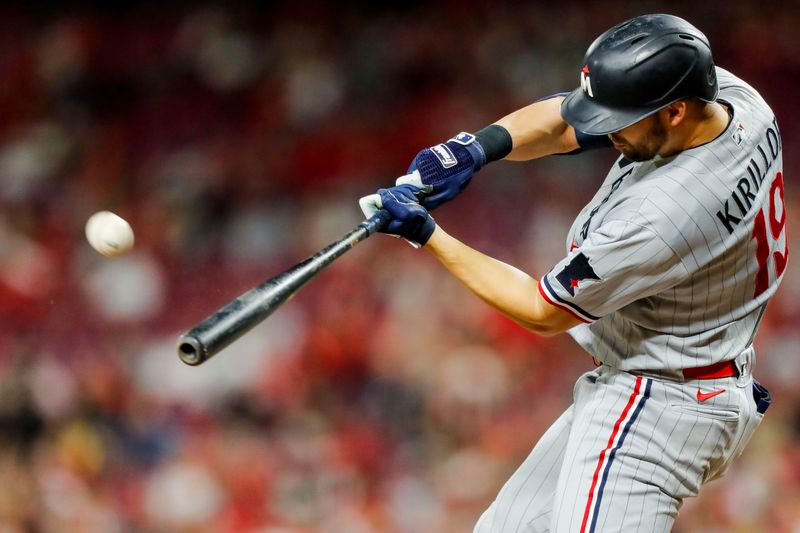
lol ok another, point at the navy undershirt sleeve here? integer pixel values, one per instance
(592, 142)
(585, 141)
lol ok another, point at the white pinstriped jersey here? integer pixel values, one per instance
(672, 262)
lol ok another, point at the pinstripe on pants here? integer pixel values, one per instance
(624, 456)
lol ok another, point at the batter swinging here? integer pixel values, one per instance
(667, 274)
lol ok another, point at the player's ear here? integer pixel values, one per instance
(675, 113)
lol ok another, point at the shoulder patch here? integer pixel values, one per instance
(576, 271)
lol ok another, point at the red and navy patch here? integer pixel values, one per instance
(575, 272)
(738, 134)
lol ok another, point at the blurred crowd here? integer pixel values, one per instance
(236, 140)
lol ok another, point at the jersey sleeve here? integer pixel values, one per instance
(616, 264)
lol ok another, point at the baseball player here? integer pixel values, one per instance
(666, 276)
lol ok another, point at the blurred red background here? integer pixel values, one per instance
(236, 140)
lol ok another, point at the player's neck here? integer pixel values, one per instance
(701, 127)
(711, 121)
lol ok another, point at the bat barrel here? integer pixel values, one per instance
(231, 321)
(243, 313)
(191, 350)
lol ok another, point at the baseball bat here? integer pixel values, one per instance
(240, 315)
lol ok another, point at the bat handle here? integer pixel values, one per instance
(376, 222)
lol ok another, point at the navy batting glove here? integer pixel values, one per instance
(409, 219)
(444, 170)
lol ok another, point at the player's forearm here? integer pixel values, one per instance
(538, 130)
(504, 287)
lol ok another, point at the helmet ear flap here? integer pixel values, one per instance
(711, 77)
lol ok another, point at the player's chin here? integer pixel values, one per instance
(632, 154)
(624, 148)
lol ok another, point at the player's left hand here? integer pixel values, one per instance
(409, 219)
(444, 170)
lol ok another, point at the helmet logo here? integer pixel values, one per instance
(586, 83)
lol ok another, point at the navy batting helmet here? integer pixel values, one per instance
(636, 68)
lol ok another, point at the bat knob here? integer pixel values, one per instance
(190, 350)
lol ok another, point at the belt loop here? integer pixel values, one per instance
(744, 364)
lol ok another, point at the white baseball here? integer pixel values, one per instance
(109, 234)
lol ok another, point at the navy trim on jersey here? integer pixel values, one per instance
(562, 301)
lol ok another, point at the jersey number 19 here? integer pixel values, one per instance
(776, 227)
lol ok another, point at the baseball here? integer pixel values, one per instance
(109, 234)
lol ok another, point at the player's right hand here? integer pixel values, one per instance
(444, 170)
(409, 219)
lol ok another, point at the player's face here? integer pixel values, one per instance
(642, 140)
